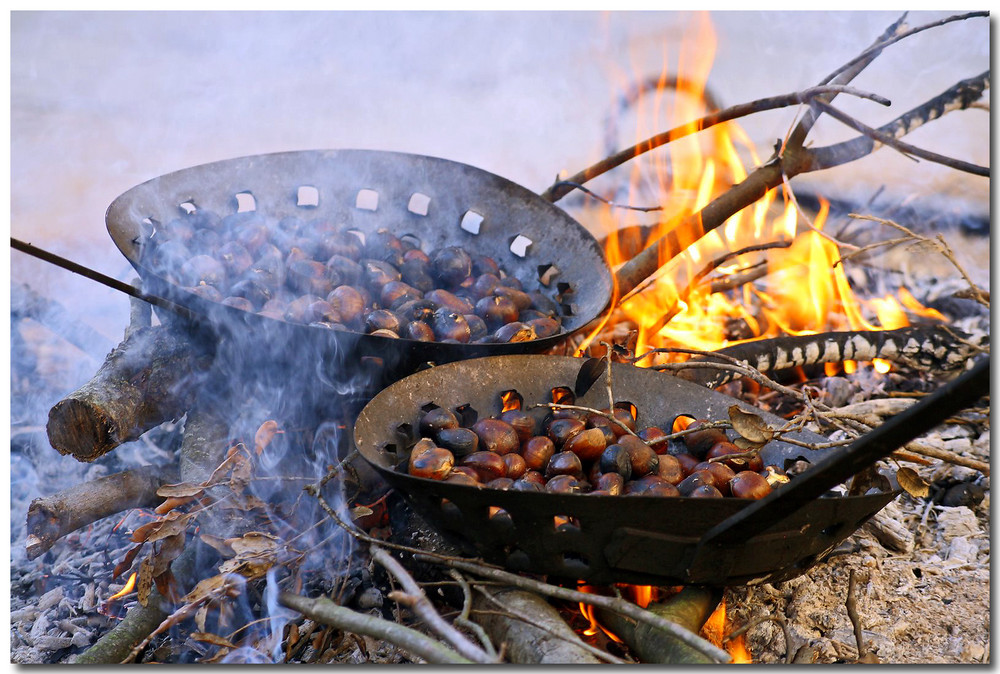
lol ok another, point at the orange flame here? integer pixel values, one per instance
(715, 630)
(129, 586)
(805, 290)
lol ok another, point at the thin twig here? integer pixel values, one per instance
(938, 243)
(322, 610)
(611, 603)
(905, 148)
(462, 620)
(419, 603)
(852, 613)
(555, 193)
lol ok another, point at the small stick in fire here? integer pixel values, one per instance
(52, 517)
(414, 598)
(937, 244)
(615, 604)
(865, 656)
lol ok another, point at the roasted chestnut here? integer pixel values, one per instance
(564, 463)
(451, 265)
(537, 451)
(488, 465)
(516, 465)
(563, 484)
(588, 444)
(748, 484)
(496, 435)
(724, 449)
(435, 420)
(705, 491)
(449, 325)
(722, 473)
(347, 302)
(459, 441)
(522, 422)
(616, 459)
(611, 483)
(670, 468)
(644, 460)
(561, 430)
(431, 462)
(695, 479)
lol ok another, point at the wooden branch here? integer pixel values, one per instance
(957, 97)
(611, 603)
(843, 75)
(541, 638)
(658, 83)
(906, 148)
(148, 379)
(557, 192)
(324, 611)
(928, 347)
(422, 606)
(52, 517)
(690, 608)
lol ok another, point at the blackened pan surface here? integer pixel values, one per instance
(630, 539)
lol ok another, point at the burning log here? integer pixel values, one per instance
(531, 630)
(52, 517)
(937, 348)
(690, 608)
(148, 379)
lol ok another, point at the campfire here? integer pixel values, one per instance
(381, 407)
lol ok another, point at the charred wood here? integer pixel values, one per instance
(149, 378)
(541, 637)
(690, 609)
(930, 348)
(52, 517)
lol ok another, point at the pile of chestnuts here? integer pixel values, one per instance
(574, 451)
(318, 274)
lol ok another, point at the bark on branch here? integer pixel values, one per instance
(148, 379)
(929, 348)
(52, 517)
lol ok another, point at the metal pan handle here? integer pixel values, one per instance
(827, 473)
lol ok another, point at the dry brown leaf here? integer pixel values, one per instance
(746, 446)
(211, 588)
(170, 526)
(218, 543)
(180, 490)
(912, 483)
(201, 617)
(751, 426)
(171, 503)
(126, 562)
(213, 639)
(262, 438)
(253, 542)
(166, 552)
(357, 512)
(144, 582)
(251, 568)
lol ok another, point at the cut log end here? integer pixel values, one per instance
(81, 429)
